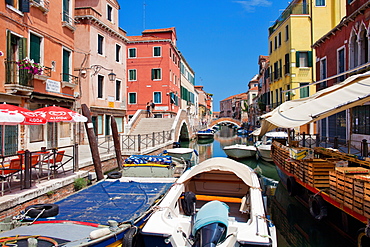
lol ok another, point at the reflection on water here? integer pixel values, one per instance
(295, 226)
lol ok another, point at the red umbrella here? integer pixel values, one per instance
(59, 114)
(30, 117)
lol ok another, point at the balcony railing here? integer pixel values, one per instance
(69, 80)
(45, 74)
(43, 5)
(68, 21)
(17, 76)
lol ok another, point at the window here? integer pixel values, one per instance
(132, 52)
(156, 74)
(323, 69)
(341, 64)
(275, 42)
(353, 50)
(109, 12)
(119, 121)
(157, 97)
(100, 86)
(118, 53)
(35, 48)
(279, 40)
(23, 6)
(118, 90)
(132, 98)
(364, 46)
(100, 125)
(287, 64)
(157, 51)
(286, 32)
(270, 47)
(304, 91)
(100, 44)
(360, 120)
(132, 74)
(320, 3)
(66, 11)
(66, 65)
(304, 59)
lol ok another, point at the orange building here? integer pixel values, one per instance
(153, 72)
(43, 32)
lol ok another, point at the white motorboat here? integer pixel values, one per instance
(217, 202)
(264, 146)
(181, 153)
(239, 151)
(205, 134)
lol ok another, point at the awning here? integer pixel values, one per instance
(352, 92)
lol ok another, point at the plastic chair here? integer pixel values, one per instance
(6, 173)
(57, 162)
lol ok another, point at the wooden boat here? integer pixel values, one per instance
(104, 214)
(264, 146)
(219, 195)
(239, 151)
(205, 134)
(334, 185)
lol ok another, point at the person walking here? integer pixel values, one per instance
(152, 105)
(148, 113)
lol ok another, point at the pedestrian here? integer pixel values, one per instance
(148, 109)
(152, 105)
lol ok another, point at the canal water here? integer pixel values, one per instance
(295, 225)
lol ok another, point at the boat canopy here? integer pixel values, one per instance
(219, 164)
(352, 92)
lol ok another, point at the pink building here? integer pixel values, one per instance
(153, 72)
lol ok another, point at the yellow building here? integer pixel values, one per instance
(292, 60)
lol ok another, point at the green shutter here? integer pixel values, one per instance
(65, 65)
(35, 50)
(309, 58)
(153, 74)
(22, 48)
(297, 59)
(8, 45)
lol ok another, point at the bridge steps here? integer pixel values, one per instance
(150, 125)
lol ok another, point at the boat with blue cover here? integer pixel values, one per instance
(215, 203)
(104, 214)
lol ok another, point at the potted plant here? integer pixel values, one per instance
(29, 65)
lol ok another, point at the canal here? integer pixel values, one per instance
(295, 225)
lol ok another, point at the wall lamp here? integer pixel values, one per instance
(96, 68)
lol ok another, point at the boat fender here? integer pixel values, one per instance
(317, 206)
(114, 175)
(129, 237)
(42, 210)
(99, 233)
(292, 186)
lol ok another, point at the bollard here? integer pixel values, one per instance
(304, 139)
(364, 148)
(336, 143)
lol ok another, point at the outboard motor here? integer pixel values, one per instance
(176, 145)
(210, 227)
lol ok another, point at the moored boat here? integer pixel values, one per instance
(334, 185)
(206, 134)
(264, 146)
(103, 214)
(181, 153)
(219, 196)
(239, 151)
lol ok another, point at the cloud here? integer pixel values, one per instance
(250, 5)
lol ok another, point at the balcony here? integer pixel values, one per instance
(43, 5)
(69, 80)
(68, 21)
(45, 74)
(17, 80)
(86, 12)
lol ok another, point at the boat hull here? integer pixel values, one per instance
(181, 153)
(240, 151)
(264, 152)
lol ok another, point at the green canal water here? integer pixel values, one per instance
(295, 226)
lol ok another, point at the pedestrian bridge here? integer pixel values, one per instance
(226, 120)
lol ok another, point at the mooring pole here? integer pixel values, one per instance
(93, 142)
(117, 146)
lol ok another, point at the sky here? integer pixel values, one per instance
(220, 39)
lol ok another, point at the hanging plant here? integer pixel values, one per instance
(31, 66)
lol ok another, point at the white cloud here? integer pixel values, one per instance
(249, 5)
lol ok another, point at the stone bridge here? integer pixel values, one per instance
(226, 120)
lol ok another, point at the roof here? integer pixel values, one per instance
(254, 89)
(352, 92)
(144, 38)
(161, 30)
(239, 96)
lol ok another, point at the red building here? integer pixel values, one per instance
(340, 53)
(153, 72)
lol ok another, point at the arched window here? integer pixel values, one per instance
(364, 45)
(353, 50)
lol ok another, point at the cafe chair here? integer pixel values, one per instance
(7, 173)
(58, 163)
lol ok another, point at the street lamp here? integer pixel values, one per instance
(96, 68)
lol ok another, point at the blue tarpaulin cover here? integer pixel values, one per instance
(110, 200)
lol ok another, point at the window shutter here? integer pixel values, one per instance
(309, 55)
(25, 6)
(10, 2)
(297, 59)
(8, 45)
(35, 48)
(153, 74)
(22, 48)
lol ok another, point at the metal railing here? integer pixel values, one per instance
(69, 78)
(14, 75)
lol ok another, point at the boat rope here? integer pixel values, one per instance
(264, 217)
(256, 188)
(158, 208)
(13, 240)
(42, 211)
